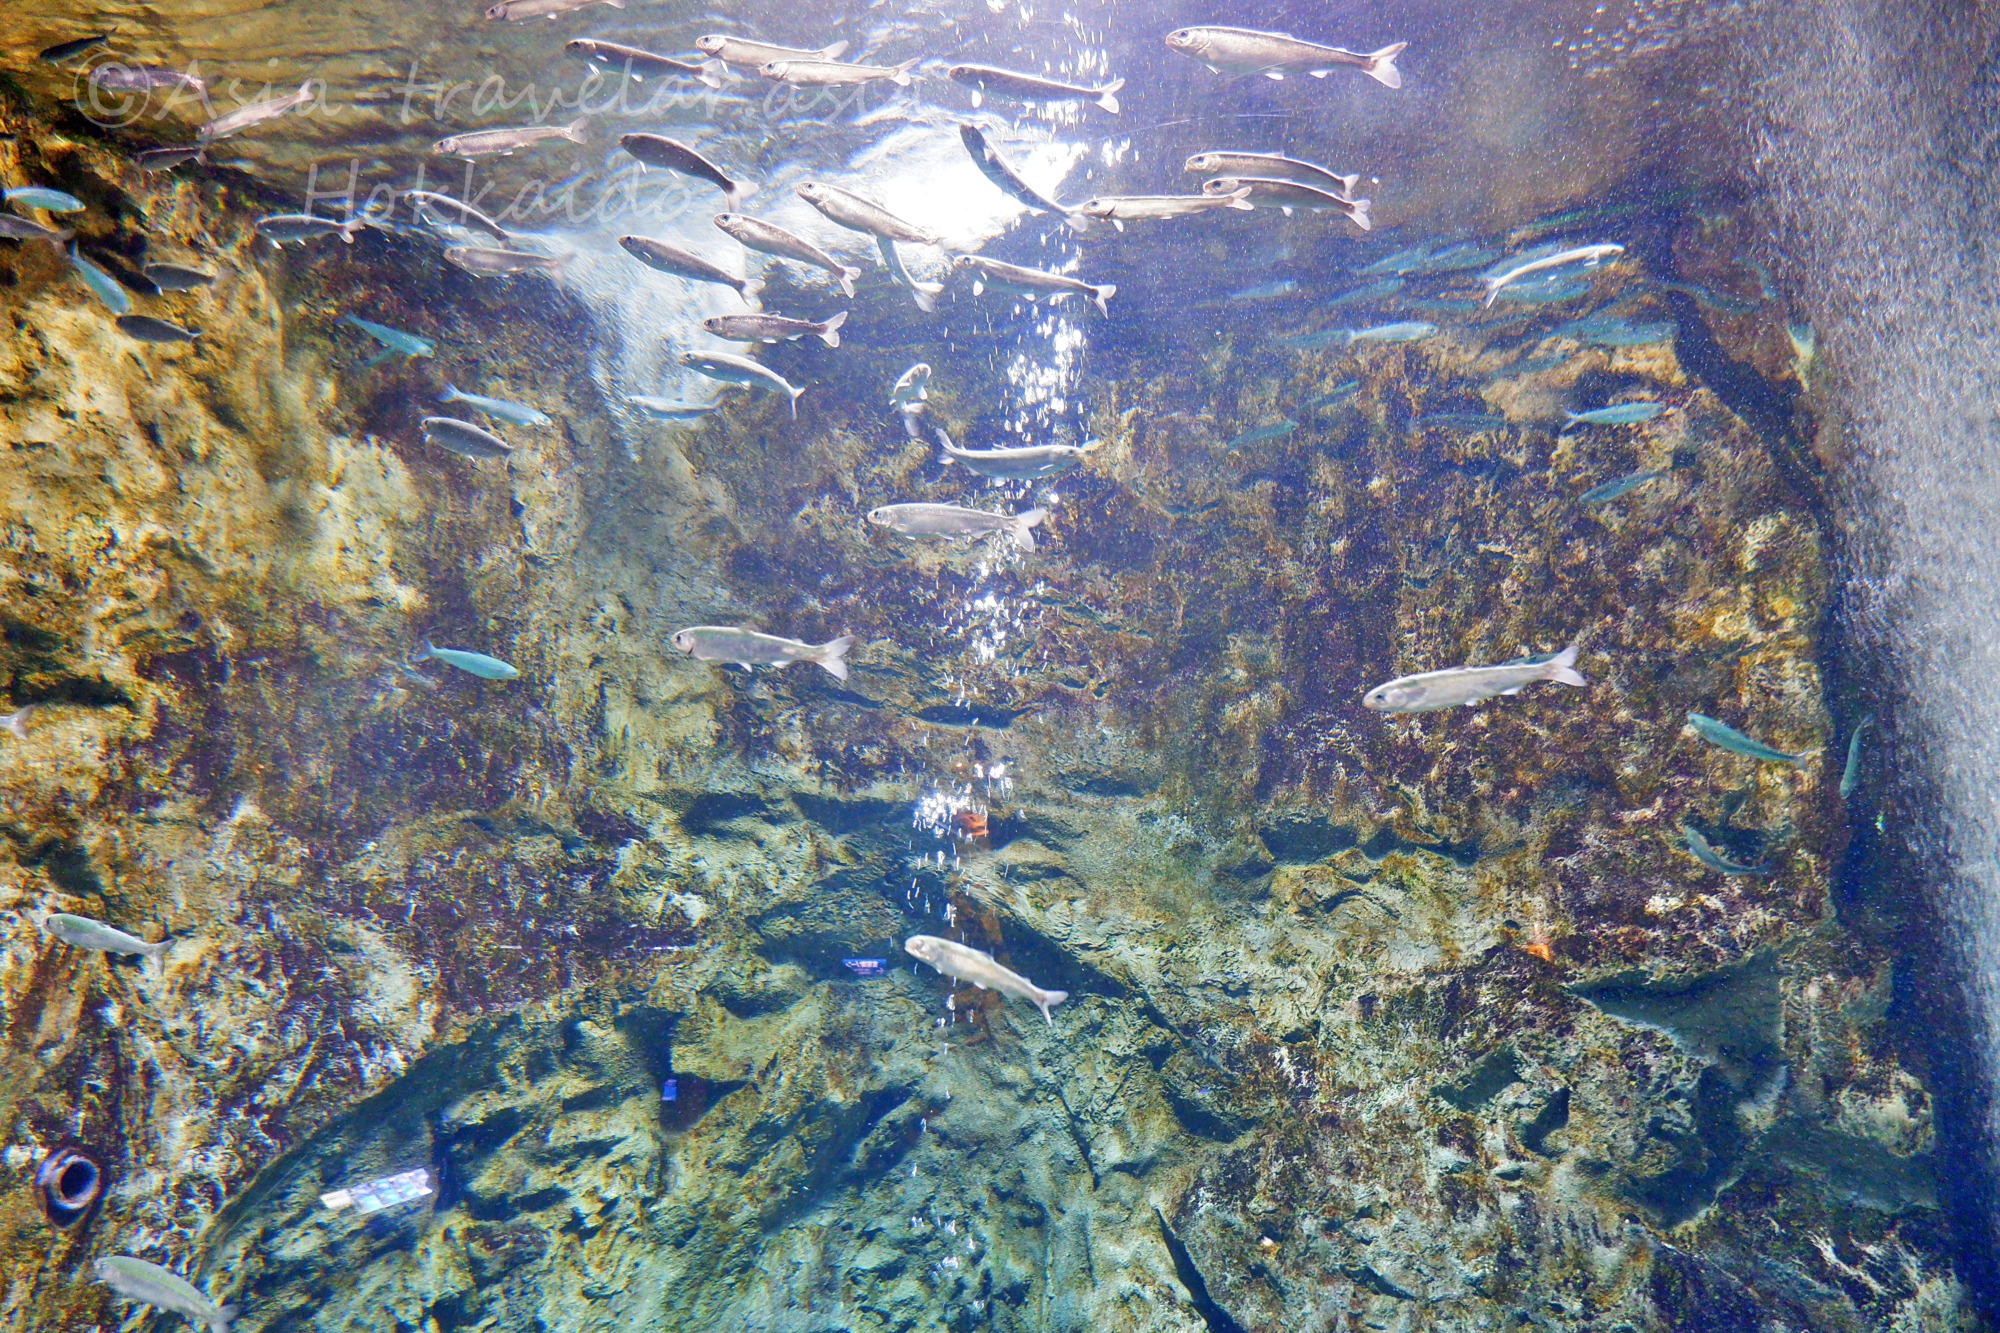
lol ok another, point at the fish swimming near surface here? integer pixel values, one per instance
(84, 933)
(149, 330)
(1590, 255)
(488, 143)
(516, 10)
(630, 59)
(1704, 851)
(484, 262)
(1031, 282)
(978, 967)
(16, 228)
(1121, 209)
(40, 196)
(241, 119)
(1026, 463)
(102, 285)
(514, 414)
(913, 386)
(283, 228)
(683, 263)
(774, 328)
(166, 159)
(665, 409)
(808, 73)
(986, 80)
(1286, 196)
(1248, 51)
(656, 150)
(1274, 166)
(150, 1284)
(1552, 290)
(850, 210)
(998, 170)
(771, 239)
(62, 51)
(1850, 776)
(748, 53)
(177, 277)
(115, 76)
(1276, 430)
(732, 369)
(748, 648)
(1734, 741)
(475, 664)
(1624, 486)
(457, 210)
(464, 439)
(1618, 414)
(1403, 331)
(1430, 691)
(399, 343)
(928, 520)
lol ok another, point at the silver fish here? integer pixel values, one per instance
(751, 54)
(774, 328)
(1121, 209)
(83, 933)
(1026, 463)
(1274, 166)
(516, 10)
(1430, 691)
(1588, 255)
(177, 277)
(464, 438)
(924, 293)
(150, 1284)
(748, 648)
(833, 73)
(145, 79)
(973, 965)
(857, 214)
(15, 228)
(515, 414)
(486, 263)
(771, 239)
(473, 664)
(1031, 281)
(166, 159)
(462, 213)
(149, 330)
(742, 370)
(280, 228)
(1704, 851)
(44, 198)
(912, 386)
(670, 258)
(656, 150)
(998, 170)
(255, 114)
(923, 520)
(667, 410)
(102, 285)
(985, 79)
(1248, 51)
(1720, 733)
(629, 59)
(483, 143)
(1288, 195)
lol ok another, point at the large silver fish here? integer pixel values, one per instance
(460, 212)
(1589, 255)
(656, 150)
(1026, 463)
(1031, 281)
(1248, 51)
(979, 968)
(1001, 172)
(1121, 209)
(17, 228)
(748, 648)
(670, 258)
(771, 239)
(855, 213)
(517, 10)
(985, 79)
(629, 59)
(255, 114)
(1429, 691)
(84, 933)
(150, 1284)
(751, 54)
(774, 328)
(1287, 195)
(924, 520)
(484, 262)
(485, 143)
(464, 438)
(732, 369)
(808, 73)
(1274, 166)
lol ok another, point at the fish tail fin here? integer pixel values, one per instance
(944, 442)
(1102, 295)
(833, 655)
(911, 416)
(712, 72)
(834, 52)
(1381, 65)
(925, 294)
(1023, 528)
(157, 953)
(737, 192)
(1348, 184)
(1492, 293)
(795, 400)
(1562, 668)
(451, 394)
(1359, 216)
(829, 332)
(223, 1315)
(1108, 98)
(1804, 757)
(1047, 1000)
(16, 722)
(427, 652)
(574, 130)
(385, 354)
(1240, 199)
(901, 78)
(751, 288)
(848, 274)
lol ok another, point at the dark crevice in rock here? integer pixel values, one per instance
(1493, 1074)
(711, 814)
(1218, 1319)
(1553, 1116)
(1305, 840)
(949, 715)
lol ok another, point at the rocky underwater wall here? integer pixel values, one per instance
(1416, 1023)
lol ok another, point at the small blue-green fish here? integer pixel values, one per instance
(38, 196)
(1613, 490)
(1269, 291)
(1618, 414)
(1805, 349)
(1734, 741)
(102, 285)
(1335, 396)
(1535, 365)
(1458, 258)
(1850, 776)
(1703, 851)
(398, 342)
(1472, 423)
(518, 414)
(1314, 342)
(1405, 331)
(1403, 261)
(477, 664)
(1369, 291)
(1276, 430)
(1442, 305)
